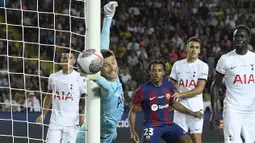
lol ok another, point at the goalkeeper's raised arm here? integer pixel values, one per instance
(112, 97)
(109, 11)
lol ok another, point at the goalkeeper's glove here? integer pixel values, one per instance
(92, 76)
(110, 8)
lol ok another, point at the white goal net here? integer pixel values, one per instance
(32, 35)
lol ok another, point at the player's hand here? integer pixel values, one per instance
(40, 120)
(176, 95)
(214, 121)
(198, 114)
(92, 77)
(81, 119)
(134, 137)
(110, 8)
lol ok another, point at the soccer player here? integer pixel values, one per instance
(65, 88)
(112, 97)
(155, 96)
(237, 70)
(190, 75)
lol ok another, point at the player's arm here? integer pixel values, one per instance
(81, 109)
(105, 85)
(132, 117)
(137, 100)
(105, 35)
(215, 93)
(109, 11)
(105, 38)
(215, 90)
(46, 107)
(177, 106)
(219, 74)
(47, 103)
(83, 93)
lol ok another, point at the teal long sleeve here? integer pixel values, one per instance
(105, 35)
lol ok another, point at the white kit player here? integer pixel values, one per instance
(237, 70)
(66, 86)
(189, 76)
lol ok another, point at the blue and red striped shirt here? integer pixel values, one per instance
(154, 102)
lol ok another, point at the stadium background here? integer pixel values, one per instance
(141, 31)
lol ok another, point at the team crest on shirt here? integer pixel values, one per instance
(148, 137)
(154, 107)
(204, 74)
(168, 95)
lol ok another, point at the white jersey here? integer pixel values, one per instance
(239, 73)
(187, 75)
(66, 91)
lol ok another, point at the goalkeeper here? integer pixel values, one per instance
(112, 97)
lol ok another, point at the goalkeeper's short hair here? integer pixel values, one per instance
(107, 53)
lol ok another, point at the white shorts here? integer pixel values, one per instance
(189, 123)
(236, 124)
(60, 134)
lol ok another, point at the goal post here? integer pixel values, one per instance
(93, 19)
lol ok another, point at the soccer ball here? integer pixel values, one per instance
(90, 61)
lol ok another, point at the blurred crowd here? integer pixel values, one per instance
(141, 31)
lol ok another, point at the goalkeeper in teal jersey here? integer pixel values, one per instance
(112, 97)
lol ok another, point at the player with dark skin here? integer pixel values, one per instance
(241, 39)
(157, 76)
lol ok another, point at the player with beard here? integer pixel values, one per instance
(237, 70)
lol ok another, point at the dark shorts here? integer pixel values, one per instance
(169, 133)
